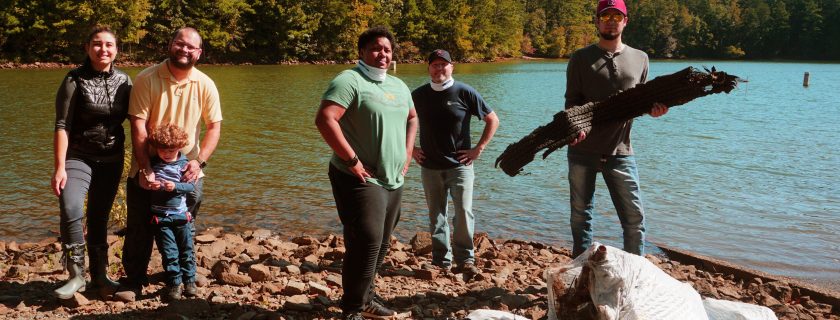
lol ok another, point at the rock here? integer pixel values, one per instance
(220, 267)
(125, 296)
(421, 243)
(235, 279)
(333, 280)
(298, 303)
(76, 301)
(335, 254)
(26, 246)
(2, 246)
(21, 307)
(205, 238)
(12, 247)
(259, 273)
(308, 266)
(305, 241)
(294, 288)
(273, 288)
(260, 234)
(201, 281)
(320, 289)
(292, 269)
(399, 256)
(426, 274)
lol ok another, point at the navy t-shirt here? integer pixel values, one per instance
(445, 122)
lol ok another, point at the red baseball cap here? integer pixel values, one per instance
(611, 4)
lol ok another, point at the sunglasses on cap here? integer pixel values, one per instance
(615, 17)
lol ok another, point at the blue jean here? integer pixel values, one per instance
(140, 234)
(175, 244)
(622, 180)
(438, 186)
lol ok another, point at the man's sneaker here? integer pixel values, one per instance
(353, 316)
(468, 269)
(375, 310)
(190, 289)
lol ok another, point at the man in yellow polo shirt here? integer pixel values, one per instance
(173, 91)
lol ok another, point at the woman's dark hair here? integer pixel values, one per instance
(370, 35)
(97, 29)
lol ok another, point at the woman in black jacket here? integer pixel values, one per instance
(90, 107)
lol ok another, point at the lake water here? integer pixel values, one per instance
(750, 177)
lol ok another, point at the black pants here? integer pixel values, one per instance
(140, 234)
(369, 214)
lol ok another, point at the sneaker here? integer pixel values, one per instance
(190, 289)
(375, 310)
(353, 316)
(468, 269)
(172, 293)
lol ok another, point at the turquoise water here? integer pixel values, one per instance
(750, 177)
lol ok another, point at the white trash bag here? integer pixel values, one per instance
(733, 310)
(625, 286)
(487, 314)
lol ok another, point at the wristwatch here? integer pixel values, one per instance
(352, 162)
(201, 163)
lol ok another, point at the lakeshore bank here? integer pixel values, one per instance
(261, 275)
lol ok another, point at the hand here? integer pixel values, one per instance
(191, 171)
(168, 185)
(406, 166)
(468, 156)
(58, 181)
(147, 181)
(658, 110)
(418, 155)
(359, 170)
(581, 136)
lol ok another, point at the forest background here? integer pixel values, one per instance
(289, 31)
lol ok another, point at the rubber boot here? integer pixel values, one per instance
(98, 255)
(74, 259)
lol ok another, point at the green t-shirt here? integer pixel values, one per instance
(374, 123)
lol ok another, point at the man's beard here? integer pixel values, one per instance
(173, 59)
(609, 36)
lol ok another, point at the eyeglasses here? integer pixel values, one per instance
(179, 45)
(615, 17)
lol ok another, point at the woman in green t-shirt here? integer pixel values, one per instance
(367, 117)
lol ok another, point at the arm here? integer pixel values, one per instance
(208, 145)
(410, 135)
(139, 139)
(327, 122)
(60, 176)
(64, 100)
(574, 94)
(179, 187)
(491, 123)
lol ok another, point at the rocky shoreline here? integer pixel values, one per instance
(261, 275)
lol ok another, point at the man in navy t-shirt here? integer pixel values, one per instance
(446, 154)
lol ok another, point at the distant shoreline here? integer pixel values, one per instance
(135, 64)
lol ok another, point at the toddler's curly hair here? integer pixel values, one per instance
(168, 136)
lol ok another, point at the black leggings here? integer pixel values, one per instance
(369, 214)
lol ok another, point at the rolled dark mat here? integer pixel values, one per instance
(671, 90)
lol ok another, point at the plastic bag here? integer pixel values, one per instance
(487, 314)
(732, 310)
(621, 286)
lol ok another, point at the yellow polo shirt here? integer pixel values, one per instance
(159, 98)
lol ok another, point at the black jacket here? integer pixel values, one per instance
(91, 106)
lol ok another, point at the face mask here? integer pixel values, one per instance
(443, 86)
(374, 74)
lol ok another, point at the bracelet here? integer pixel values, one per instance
(352, 162)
